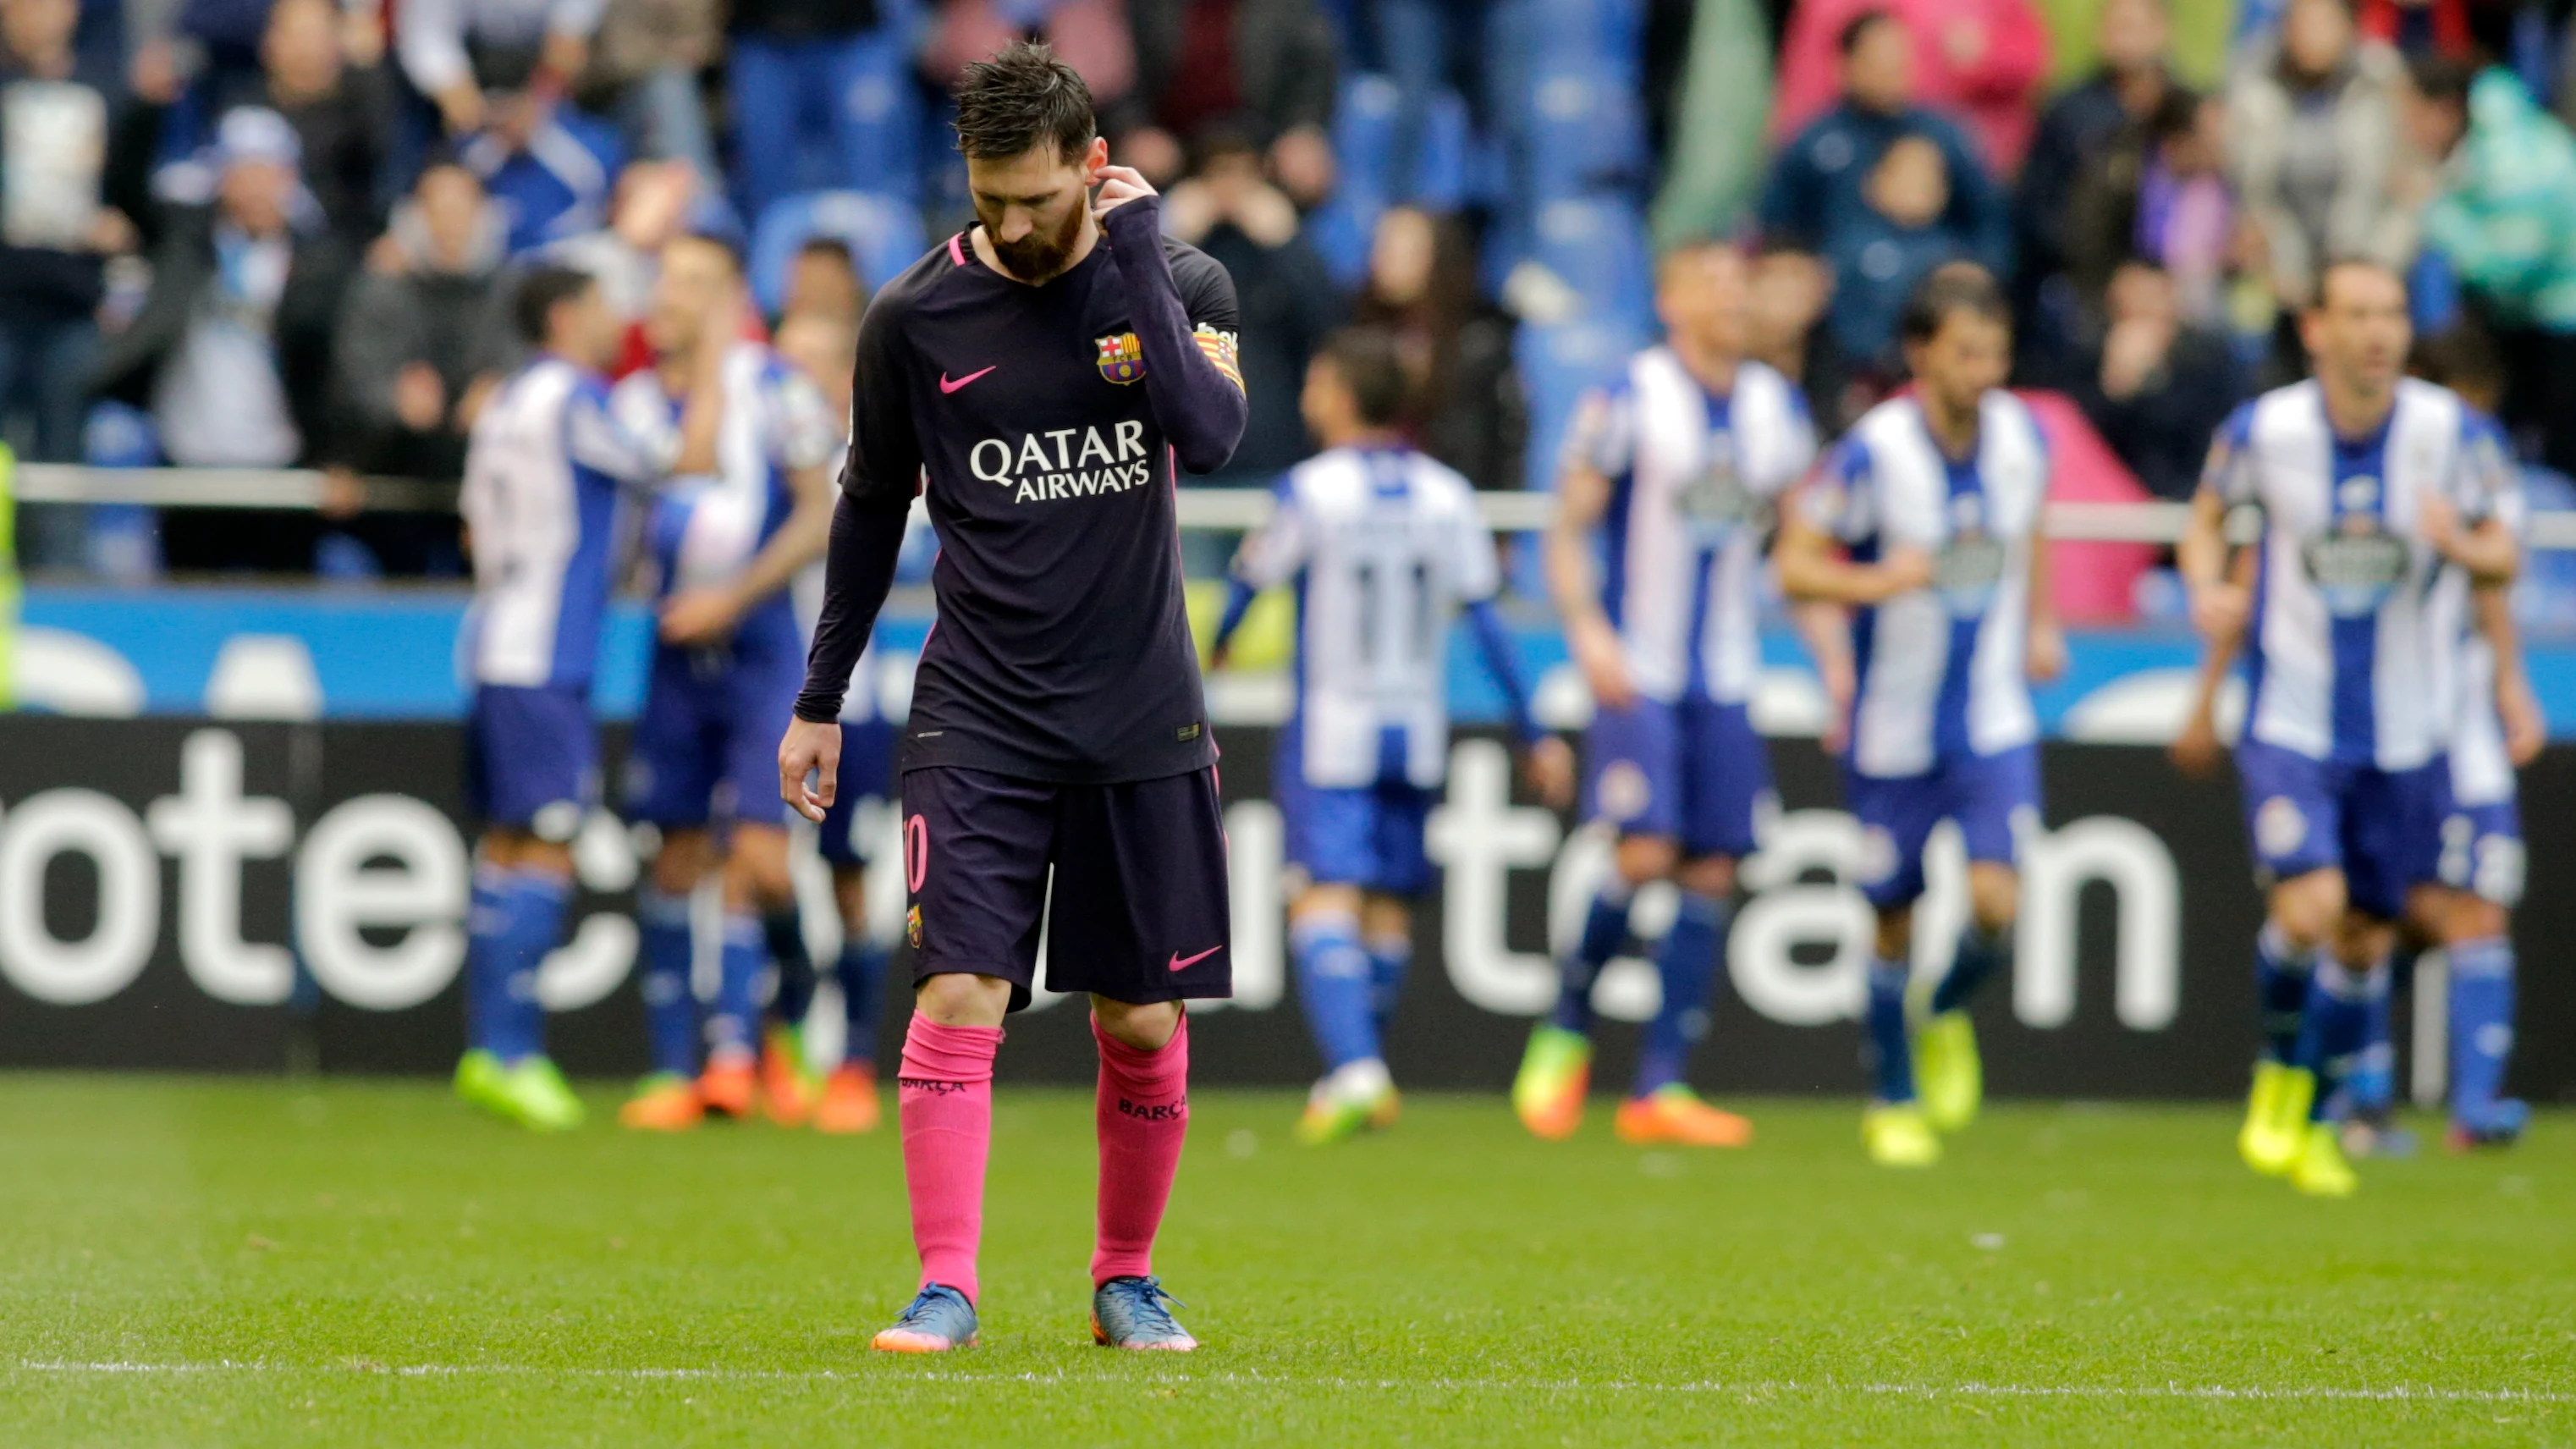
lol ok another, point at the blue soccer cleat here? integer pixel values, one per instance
(939, 1319)
(1129, 1313)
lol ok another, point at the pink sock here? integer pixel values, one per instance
(1143, 1113)
(945, 1093)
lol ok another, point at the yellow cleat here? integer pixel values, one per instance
(1675, 1116)
(2276, 1118)
(2321, 1170)
(1345, 1102)
(1898, 1136)
(1555, 1073)
(1947, 1074)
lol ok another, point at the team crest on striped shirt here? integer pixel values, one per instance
(1122, 358)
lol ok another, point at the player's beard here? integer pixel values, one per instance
(1038, 257)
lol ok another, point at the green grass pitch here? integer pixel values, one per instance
(282, 1263)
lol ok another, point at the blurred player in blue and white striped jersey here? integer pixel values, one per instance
(1664, 501)
(1384, 546)
(540, 500)
(725, 540)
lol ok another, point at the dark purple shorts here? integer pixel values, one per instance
(1139, 909)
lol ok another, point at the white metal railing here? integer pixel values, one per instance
(1221, 509)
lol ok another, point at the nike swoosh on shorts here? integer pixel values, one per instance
(1183, 963)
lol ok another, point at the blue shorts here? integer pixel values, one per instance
(1983, 793)
(1370, 837)
(2381, 828)
(867, 773)
(706, 744)
(531, 758)
(2482, 851)
(1691, 771)
(1139, 907)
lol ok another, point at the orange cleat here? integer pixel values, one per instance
(849, 1104)
(729, 1086)
(664, 1102)
(1675, 1116)
(786, 1093)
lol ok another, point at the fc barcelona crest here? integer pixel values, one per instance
(1122, 358)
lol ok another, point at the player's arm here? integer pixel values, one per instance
(1546, 759)
(2219, 604)
(878, 484)
(2526, 730)
(1833, 507)
(1826, 631)
(702, 416)
(699, 615)
(2044, 656)
(1195, 388)
(1269, 556)
(1582, 500)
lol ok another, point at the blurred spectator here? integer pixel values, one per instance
(1288, 300)
(1467, 408)
(654, 201)
(2314, 149)
(545, 163)
(57, 226)
(342, 113)
(2503, 218)
(1782, 330)
(2076, 133)
(1880, 251)
(2186, 217)
(458, 51)
(231, 348)
(1816, 185)
(644, 67)
(2158, 387)
(824, 81)
(823, 283)
(424, 336)
(1980, 60)
(1424, 47)
(1265, 68)
(2421, 27)
(1092, 36)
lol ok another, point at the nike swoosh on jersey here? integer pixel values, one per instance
(946, 386)
(1183, 963)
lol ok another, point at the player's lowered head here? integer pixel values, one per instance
(1355, 389)
(700, 288)
(1703, 296)
(1957, 333)
(1025, 126)
(2357, 334)
(561, 311)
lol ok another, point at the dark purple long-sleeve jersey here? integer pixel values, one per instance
(1045, 425)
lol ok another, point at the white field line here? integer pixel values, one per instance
(1758, 1388)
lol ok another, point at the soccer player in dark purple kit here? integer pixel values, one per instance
(1042, 378)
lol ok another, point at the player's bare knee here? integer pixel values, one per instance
(1895, 935)
(1146, 1026)
(959, 998)
(2306, 909)
(1707, 875)
(1326, 902)
(2362, 941)
(1643, 858)
(1383, 917)
(850, 893)
(1994, 895)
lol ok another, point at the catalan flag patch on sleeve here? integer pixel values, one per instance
(1220, 349)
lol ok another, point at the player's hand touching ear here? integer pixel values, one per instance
(810, 749)
(1118, 186)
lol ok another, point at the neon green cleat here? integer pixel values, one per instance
(1947, 1075)
(2276, 1118)
(534, 1095)
(1555, 1073)
(479, 1077)
(1898, 1136)
(1345, 1102)
(2321, 1170)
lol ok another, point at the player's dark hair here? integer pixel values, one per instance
(721, 240)
(2441, 79)
(1021, 99)
(1856, 29)
(1366, 360)
(541, 291)
(1951, 287)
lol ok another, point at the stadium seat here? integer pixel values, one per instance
(1596, 244)
(884, 237)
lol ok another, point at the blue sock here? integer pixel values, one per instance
(1980, 952)
(734, 1024)
(1886, 1054)
(783, 931)
(670, 997)
(2481, 1022)
(1390, 961)
(518, 917)
(1605, 930)
(2370, 1087)
(2281, 973)
(861, 975)
(2338, 1025)
(1687, 961)
(1333, 984)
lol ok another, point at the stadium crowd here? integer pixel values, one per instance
(263, 233)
